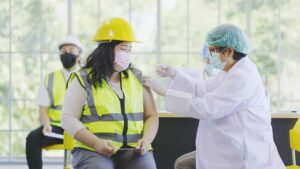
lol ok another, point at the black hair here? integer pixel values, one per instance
(236, 55)
(101, 63)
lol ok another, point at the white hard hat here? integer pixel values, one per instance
(71, 40)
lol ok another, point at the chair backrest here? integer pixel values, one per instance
(295, 136)
(68, 141)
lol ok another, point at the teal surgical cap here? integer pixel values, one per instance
(228, 35)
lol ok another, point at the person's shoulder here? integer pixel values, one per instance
(138, 73)
(243, 68)
(78, 76)
(81, 72)
(54, 71)
(135, 70)
(239, 74)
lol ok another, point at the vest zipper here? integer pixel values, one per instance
(122, 103)
(125, 128)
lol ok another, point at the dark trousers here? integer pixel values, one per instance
(34, 143)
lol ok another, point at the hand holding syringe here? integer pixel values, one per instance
(152, 81)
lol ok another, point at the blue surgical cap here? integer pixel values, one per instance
(228, 35)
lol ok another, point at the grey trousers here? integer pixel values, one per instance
(186, 161)
(85, 159)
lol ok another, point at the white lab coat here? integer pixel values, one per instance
(235, 129)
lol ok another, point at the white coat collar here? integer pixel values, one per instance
(239, 64)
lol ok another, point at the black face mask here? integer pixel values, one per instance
(68, 60)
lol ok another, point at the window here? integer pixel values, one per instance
(171, 32)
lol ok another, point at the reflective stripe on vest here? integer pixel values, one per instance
(56, 85)
(102, 115)
(90, 99)
(131, 138)
(113, 117)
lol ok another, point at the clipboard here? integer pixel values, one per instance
(54, 135)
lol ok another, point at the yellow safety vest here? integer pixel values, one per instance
(56, 85)
(106, 117)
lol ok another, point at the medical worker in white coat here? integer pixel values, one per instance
(235, 129)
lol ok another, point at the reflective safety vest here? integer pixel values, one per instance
(107, 116)
(56, 85)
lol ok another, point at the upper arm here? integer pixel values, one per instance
(185, 83)
(74, 100)
(42, 96)
(149, 105)
(43, 109)
(229, 97)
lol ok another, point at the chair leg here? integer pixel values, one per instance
(294, 157)
(67, 160)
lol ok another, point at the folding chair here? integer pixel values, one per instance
(295, 144)
(67, 146)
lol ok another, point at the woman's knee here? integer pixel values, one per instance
(179, 163)
(84, 159)
(145, 161)
(99, 165)
(186, 161)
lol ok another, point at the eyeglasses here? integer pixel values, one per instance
(219, 50)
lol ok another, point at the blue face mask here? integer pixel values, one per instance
(210, 70)
(215, 61)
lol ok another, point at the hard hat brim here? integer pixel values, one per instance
(108, 41)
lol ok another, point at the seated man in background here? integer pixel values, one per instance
(49, 99)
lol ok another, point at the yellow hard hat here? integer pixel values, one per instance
(115, 29)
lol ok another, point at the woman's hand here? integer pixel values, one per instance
(104, 147)
(142, 146)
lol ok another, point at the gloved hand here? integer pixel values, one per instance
(165, 71)
(155, 85)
